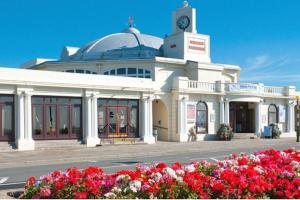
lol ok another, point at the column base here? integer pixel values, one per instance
(25, 145)
(92, 141)
(149, 140)
(292, 134)
(183, 138)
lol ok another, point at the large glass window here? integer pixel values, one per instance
(37, 121)
(53, 117)
(117, 118)
(273, 114)
(202, 118)
(6, 118)
(130, 72)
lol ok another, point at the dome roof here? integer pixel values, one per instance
(130, 44)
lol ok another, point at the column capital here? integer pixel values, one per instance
(24, 91)
(91, 93)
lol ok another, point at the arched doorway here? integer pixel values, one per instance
(160, 119)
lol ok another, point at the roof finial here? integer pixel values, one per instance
(130, 21)
(185, 4)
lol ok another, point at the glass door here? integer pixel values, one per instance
(112, 121)
(117, 121)
(122, 121)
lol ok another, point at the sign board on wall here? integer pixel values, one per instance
(196, 45)
(282, 114)
(191, 112)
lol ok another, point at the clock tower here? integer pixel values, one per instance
(184, 19)
(185, 43)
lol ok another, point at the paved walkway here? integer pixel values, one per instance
(109, 152)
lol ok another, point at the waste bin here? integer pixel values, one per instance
(267, 132)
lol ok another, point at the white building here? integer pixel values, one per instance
(126, 84)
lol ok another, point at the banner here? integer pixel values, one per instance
(282, 114)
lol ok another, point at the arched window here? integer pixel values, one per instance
(202, 118)
(273, 114)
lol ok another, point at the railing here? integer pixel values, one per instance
(274, 90)
(254, 88)
(196, 85)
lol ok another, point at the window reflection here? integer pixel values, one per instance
(37, 120)
(53, 117)
(7, 117)
(117, 118)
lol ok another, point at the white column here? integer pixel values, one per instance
(222, 111)
(147, 121)
(226, 112)
(91, 121)
(182, 120)
(24, 140)
(95, 119)
(291, 116)
(258, 119)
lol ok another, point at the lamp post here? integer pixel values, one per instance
(298, 118)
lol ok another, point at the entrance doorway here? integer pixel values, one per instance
(118, 118)
(242, 117)
(160, 119)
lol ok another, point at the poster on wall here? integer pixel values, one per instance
(282, 114)
(191, 112)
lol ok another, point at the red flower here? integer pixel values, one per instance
(161, 166)
(30, 182)
(80, 195)
(176, 166)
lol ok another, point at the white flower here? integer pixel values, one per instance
(254, 158)
(259, 169)
(295, 163)
(283, 154)
(157, 176)
(135, 186)
(170, 172)
(190, 168)
(116, 190)
(180, 172)
(122, 178)
(110, 195)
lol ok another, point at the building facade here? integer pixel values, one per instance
(127, 84)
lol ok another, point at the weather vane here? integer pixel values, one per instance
(130, 21)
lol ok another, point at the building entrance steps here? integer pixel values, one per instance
(58, 144)
(7, 147)
(109, 141)
(239, 136)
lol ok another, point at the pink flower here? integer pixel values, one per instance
(45, 192)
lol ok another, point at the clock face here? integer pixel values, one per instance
(183, 22)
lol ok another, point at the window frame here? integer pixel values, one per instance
(198, 110)
(269, 113)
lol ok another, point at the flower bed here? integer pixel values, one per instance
(265, 174)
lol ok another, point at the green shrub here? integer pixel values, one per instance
(275, 131)
(225, 132)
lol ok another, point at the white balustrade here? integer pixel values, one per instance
(232, 88)
(202, 86)
(274, 90)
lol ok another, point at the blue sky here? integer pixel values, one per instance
(261, 36)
